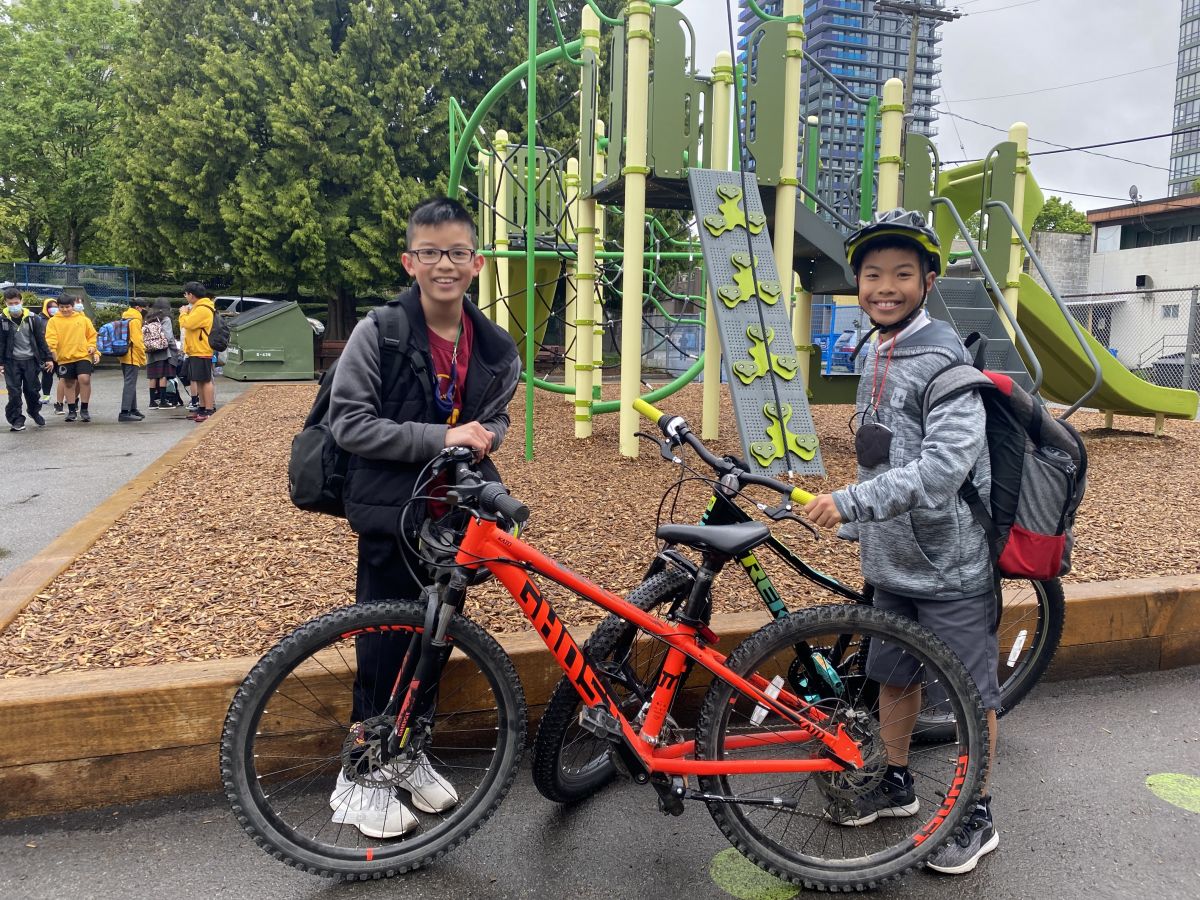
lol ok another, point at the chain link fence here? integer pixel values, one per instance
(1153, 333)
(104, 283)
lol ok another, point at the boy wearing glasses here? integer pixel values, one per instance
(449, 386)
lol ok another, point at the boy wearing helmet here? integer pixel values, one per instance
(921, 547)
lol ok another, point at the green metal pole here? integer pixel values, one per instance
(866, 182)
(812, 139)
(530, 221)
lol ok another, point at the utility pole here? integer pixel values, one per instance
(918, 11)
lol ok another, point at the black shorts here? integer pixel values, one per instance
(199, 369)
(71, 371)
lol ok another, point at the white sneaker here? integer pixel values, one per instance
(374, 811)
(430, 791)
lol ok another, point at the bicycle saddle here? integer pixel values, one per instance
(728, 540)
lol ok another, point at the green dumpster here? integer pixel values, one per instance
(272, 342)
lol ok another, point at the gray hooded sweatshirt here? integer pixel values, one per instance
(918, 537)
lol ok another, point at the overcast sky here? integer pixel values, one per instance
(1033, 45)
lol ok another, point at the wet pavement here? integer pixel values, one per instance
(56, 475)
(1076, 816)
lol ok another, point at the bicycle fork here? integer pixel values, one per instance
(414, 695)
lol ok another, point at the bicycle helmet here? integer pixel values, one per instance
(901, 223)
(908, 226)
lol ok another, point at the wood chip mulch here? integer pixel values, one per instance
(186, 575)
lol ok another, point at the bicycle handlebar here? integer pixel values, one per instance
(676, 430)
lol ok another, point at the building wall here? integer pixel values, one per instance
(1168, 265)
(1185, 148)
(1066, 258)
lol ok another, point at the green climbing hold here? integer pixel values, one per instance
(732, 215)
(766, 452)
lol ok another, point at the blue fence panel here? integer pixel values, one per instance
(104, 283)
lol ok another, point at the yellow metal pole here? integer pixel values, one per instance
(785, 194)
(598, 295)
(487, 224)
(635, 170)
(503, 211)
(891, 132)
(722, 75)
(570, 349)
(1019, 135)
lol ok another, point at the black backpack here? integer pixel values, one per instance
(218, 335)
(1039, 471)
(317, 465)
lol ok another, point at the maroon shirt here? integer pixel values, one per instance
(443, 355)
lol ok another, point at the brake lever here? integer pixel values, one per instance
(784, 512)
(664, 447)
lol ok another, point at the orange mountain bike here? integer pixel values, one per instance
(773, 754)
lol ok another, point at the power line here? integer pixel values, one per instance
(984, 12)
(1149, 137)
(1087, 149)
(1071, 85)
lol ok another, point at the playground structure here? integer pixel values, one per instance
(666, 124)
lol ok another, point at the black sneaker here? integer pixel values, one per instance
(137, 414)
(71, 416)
(20, 427)
(58, 409)
(891, 800)
(973, 839)
(127, 417)
(85, 416)
(38, 420)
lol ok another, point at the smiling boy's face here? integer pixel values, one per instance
(891, 284)
(444, 281)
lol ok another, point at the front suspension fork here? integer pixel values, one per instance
(415, 693)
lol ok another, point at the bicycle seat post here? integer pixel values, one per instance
(696, 611)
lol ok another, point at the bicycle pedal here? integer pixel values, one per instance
(599, 722)
(671, 796)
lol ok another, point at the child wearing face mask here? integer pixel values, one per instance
(72, 339)
(23, 353)
(49, 308)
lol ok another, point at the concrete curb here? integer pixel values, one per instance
(113, 736)
(30, 578)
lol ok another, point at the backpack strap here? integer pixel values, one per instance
(977, 345)
(392, 322)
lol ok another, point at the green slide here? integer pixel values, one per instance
(1067, 372)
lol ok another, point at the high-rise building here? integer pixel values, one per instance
(1185, 141)
(863, 47)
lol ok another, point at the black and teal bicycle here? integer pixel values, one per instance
(570, 762)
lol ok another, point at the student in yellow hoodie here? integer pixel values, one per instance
(196, 318)
(132, 361)
(72, 339)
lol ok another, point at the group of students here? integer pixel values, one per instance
(921, 548)
(61, 340)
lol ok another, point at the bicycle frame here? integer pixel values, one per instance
(508, 558)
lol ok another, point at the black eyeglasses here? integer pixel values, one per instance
(431, 256)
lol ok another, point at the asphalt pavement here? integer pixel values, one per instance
(54, 476)
(1076, 814)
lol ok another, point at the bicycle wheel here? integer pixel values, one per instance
(288, 739)
(1030, 629)
(570, 763)
(782, 822)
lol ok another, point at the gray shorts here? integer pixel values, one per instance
(965, 625)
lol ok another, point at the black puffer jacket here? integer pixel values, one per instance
(393, 437)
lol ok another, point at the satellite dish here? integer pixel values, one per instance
(1133, 193)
